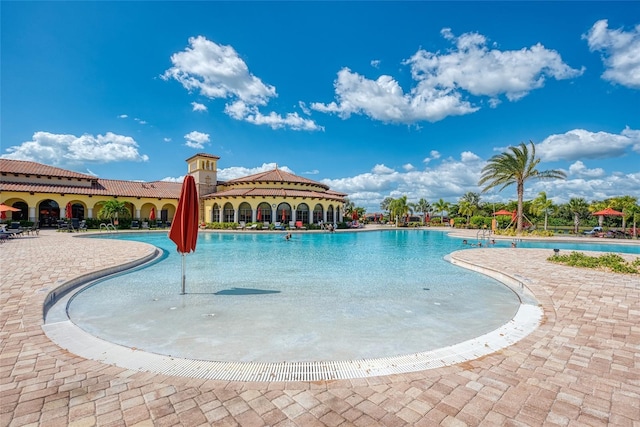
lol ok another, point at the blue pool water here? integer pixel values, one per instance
(318, 296)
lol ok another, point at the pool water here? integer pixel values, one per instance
(319, 296)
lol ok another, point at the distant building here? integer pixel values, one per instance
(42, 192)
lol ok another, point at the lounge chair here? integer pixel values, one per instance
(135, 225)
(292, 225)
(145, 225)
(159, 223)
(242, 225)
(253, 226)
(278, 226)
(82, 226)
(299, 225)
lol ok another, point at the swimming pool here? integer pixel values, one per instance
(255, 297)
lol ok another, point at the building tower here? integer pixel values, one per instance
(204, 169)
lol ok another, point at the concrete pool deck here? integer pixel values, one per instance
(580, 367)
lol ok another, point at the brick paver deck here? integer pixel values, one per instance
(580, 367)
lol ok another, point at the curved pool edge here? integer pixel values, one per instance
(75, 340)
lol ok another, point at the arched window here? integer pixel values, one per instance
(317, 214)
(263, 213)
(227, 213)
(302, 213)
(330, 216)
(215, 213)
(283, 213)
(244, 212)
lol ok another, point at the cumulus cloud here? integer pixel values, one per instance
(620, 52)
(198, 107)
(375, 63)
(444, 80)
(580, 170)
(196, 139)
(217, 71)
(65, 150)
(238, 172)
(166, 139)
(433, 155)
(582, 144)
(382, 169)
(408, 167)
(123, 116)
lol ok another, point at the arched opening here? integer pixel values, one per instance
(245, 213)
(48, 213)
(77, 210)
(318, 213)
(227, 212)
(283, 213)
(263, 213)
(330, 215)
(215, 213)
(302, 213)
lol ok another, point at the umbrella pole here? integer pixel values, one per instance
(183, 277)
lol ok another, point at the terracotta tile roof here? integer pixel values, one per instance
(102, 187)
(31, 168)
(276, 175)
(275, 192)
(209, 156)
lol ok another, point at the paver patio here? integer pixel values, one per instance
(580, 367)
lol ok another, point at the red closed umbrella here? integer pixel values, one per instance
(284, 216)
(354, 215)
(152, 214)
(259, 214)
(68, 211)
(184, 228)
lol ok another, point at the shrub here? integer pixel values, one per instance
(612, 262)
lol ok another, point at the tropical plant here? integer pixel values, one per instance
(624, 204)
(541, 205)
(441, 206)
(422, 206)
(114, 209)
(515, 167)
(465, 208)
(399, 208)
(579, 207)
(472, 198)
(384, 205)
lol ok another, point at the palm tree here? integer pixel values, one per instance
(472, 198)
(633, 213)
(399, 208)
(624, 204)
(441, 206)
(542, 205)
(515, 167)
(579, 207)
(421, 206)
(384, 205)
(465, 208)
(112, 209)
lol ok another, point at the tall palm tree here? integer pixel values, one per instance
(421, 206)
(542, 205)
(515, 167)
(441, 206)
(399, 208)
(384, 205)
(624, 204)
(579, 207)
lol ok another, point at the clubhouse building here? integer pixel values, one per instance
(42, 192)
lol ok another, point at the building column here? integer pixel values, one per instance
(32, 214)
(89, 212)
(137, 214)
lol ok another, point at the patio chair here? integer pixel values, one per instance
(159, 223)
(135, 225)
(278, 226)
(299, 225)
(145, 225)
(242, 225)
(292, 225)
(82, 226)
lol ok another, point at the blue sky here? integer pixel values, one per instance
(375, 99)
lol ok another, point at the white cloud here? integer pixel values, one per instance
(122, 116)
(375, 63)
(408, 167)
(142, 122)
(580, 170)
(313, 172)
(582, 144)
(382, 170)
(620, 52)
(198, 107)
(443, 80)
(196, 139)
(65, 150)
(433, 155)
(238, 171)
(217, 71)
(166, 139)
